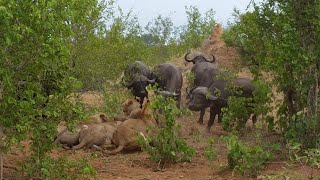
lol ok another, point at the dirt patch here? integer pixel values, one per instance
(137, 165)
(92, 98)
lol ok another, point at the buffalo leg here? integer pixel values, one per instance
(200, 121)
(179, 101)
(213, 113)
(254, 119)
(220, 116)
(141, 102)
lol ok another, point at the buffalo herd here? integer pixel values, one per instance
(209, 89)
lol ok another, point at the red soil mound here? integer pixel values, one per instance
(225, 56)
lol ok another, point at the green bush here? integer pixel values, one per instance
(61, 168)
(303, 131)
(35, 74)
(313, 157)
(261, 102)
(190, 79)
(310, 156)
(210, 152)
(236, 114)
(239, 108)
(244, 159)
(166, 146)
(198, 29)
(113, 97)
(278, 37)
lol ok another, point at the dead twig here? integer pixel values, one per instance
(278, 162)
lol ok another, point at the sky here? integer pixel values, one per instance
(146, 10)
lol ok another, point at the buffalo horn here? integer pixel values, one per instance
(204, 91)
(213, 59)
(168, 94)
(185, 57)
(152, 81)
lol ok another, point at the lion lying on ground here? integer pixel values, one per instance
(69, 139)
(96, 134)
(125, 136)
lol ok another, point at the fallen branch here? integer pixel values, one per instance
(10, 167)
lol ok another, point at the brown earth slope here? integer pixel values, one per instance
(225, 56)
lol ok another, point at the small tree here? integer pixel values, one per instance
(240, 108)
(279, 37)
(35, 79)
(198, 27)
(166, 146)
(245, 159)
(160, 30)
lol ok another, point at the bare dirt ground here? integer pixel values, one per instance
(137, 165)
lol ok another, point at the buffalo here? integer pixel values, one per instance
(216, 96)
(204, 72)
(137, 76)
(169, 79)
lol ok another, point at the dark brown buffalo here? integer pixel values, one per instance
(169, 79)
(137, 76)
(204, 72)
(217, 94)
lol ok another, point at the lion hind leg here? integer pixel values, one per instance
(115, 151)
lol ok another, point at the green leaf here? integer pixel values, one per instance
(11, 100)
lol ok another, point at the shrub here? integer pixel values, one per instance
(166, 146)
(113, 97)
(313, 157)
(61, 168)
(36, 83)
(236, 114)
(245, 159)
(240, 108)
(310, 156)
(278, 37)
(190, 79)
(303, 131)
(261, 102)
(210, 152)
(199, 27)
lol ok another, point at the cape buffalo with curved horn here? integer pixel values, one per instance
(137, 76)
(169, 79)
(217, 94)
(204, 71)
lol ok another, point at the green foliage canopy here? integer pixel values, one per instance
(280, 37)
(36, 43)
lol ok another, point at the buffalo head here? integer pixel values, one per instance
(200, 98)
(138, 86)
